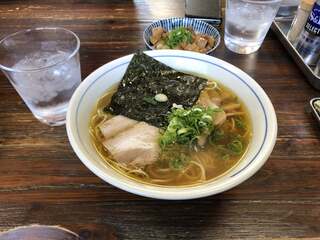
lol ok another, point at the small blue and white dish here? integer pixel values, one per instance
(172, 23)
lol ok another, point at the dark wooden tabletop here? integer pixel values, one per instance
(42, 180)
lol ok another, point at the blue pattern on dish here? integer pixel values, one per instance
(172, 23)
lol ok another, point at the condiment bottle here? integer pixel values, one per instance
(300, 19)
(308, 44)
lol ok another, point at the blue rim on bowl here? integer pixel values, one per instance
(171, 23)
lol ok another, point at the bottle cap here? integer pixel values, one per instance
(307, 4)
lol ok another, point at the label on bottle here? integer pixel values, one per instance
(313, 23)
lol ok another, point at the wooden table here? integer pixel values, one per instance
(42, 180)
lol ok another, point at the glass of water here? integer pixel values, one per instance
(43, 66)
(247, 23)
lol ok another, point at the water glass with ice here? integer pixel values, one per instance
(43, 66)
(247, 23)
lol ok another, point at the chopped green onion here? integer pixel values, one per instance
(235, 147)
(226, 157)
(186, 125)
(217, 135)
(239, 123)
(179, 162)
(177, 36)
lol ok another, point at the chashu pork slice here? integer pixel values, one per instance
(115, 125)
(206, 100)
(220, 117)
(137, 145)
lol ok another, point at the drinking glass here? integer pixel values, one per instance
(43, 66)
(39, 232)
(247, 23)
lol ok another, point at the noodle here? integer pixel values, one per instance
(233, 124)
(203, 171)
(205, 162)
(235, 114)
(212, 85)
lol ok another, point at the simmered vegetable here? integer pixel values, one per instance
(181, 38)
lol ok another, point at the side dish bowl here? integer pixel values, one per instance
(169, 24)
(260, 108)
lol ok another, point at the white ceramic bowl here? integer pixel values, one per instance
(259, 105)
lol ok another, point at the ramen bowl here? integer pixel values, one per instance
(259, 106)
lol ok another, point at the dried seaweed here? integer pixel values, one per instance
(146, 77)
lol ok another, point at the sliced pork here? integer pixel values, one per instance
(220, 117)
(136, 145)
(206, 100)
(115, 125)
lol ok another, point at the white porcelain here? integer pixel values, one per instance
(259, 105)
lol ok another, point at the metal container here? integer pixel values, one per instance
(281, 27)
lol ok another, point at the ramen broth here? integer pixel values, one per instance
(223, 150)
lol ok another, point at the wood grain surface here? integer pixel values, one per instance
(43, 182)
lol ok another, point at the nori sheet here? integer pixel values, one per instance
(145, 77)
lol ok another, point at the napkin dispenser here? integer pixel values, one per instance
(206, 10)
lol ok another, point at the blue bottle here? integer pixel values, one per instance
(308, 44)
